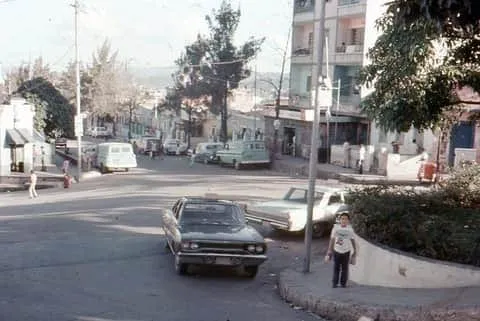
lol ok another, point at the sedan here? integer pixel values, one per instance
(206, 231)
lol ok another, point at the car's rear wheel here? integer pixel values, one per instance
(320, 229)
(180, 268)
(251, 271)
(205, 160)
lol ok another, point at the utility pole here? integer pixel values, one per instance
(312, 174)
(277, 100)
(79, 121)
(255, 104)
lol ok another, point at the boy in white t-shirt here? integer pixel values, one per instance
(341, 242)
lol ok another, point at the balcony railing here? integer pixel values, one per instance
(347, 2)
(304, 5)
(349, 49)
(302, 52)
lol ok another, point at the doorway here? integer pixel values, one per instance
(288, 141)
(461, 137)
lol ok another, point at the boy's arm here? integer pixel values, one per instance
(354, 245)
(331, 242)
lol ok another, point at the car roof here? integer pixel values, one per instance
(322, 188)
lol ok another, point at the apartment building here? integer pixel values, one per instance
(349, 32)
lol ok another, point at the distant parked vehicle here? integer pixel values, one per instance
(100, 132)
(243, 153)
(115, 156)
(206, 152)
(170, 147)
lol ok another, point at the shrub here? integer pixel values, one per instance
(442, 224)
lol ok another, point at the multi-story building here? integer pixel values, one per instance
(346, 44)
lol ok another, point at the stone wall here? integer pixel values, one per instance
(381, 266)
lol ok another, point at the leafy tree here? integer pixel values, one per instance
(427, 51)
(67, 85)
(50, 104)
(221, 64)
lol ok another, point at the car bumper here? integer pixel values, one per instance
(221, 259)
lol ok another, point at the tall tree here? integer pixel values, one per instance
(427, 52)
(104, 81)
(221, 64)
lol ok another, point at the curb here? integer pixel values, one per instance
(336, 310)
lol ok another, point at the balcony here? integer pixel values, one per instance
(349, 54)
(302, 56)
(304, 6)
(300, 100)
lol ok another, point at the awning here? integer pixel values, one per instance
(18, 137)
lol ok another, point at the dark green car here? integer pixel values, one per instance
(205, 231)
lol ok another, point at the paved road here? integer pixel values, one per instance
(95, 251)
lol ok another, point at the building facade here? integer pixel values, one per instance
(346, 45)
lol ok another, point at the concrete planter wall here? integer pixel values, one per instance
(382, 266)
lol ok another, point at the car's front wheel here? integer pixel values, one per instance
(251, 271)
(180, 268)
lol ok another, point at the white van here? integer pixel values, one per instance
(115, 156)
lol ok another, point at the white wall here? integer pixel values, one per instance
(377, 266)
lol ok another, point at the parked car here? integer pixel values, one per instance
(206, 231)
(115, 156)
(290, 213)
(206, 152)
(170, 147)
(244, 153)
(100, 131)
(154, 145)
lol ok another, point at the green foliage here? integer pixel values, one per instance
(57, 110)
(441, 224)
(419, 62)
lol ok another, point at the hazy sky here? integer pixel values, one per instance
(147, 32)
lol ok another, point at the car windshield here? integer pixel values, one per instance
(211, 214)
(299, 195)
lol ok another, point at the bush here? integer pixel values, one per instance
(442, 224)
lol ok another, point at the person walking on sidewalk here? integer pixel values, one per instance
(361, 158)
(33, 184)
(341, 241)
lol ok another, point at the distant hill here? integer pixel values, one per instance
(160, 77)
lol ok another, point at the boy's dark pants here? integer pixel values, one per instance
(340, 268)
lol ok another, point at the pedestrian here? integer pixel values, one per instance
(33, 184)
(178, 149)
(341, 241)
(361, 158)
(65, 166)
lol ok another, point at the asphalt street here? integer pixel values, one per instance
(95, 252)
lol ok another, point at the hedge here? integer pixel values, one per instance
(442, 223)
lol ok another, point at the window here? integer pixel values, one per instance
(211, 214)
(300, 195)
(310, 41)
(309, 84)
(335, 198)
(126, 149)
(115, 150)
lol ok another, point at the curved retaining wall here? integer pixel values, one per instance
(381, 266)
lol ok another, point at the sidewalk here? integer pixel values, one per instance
(313, 291)
(298, 167)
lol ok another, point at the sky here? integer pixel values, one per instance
(147, 33)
